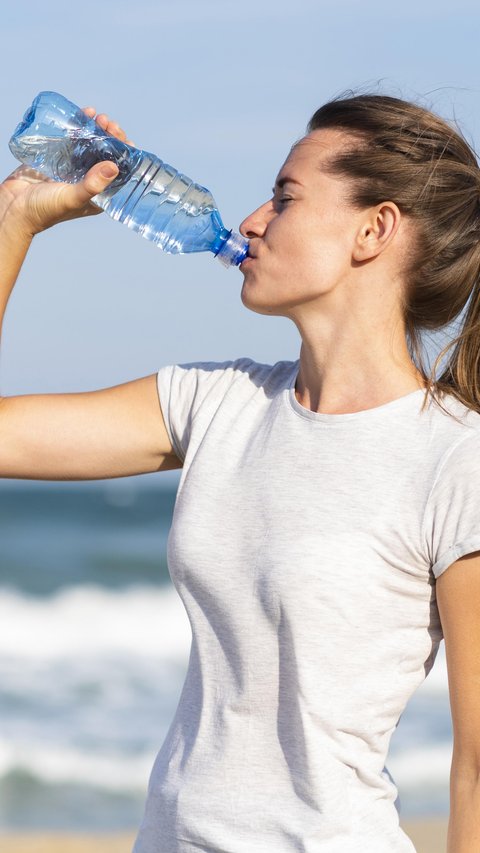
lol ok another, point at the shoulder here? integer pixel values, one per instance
(457, 434)
(207, 377)
(192, 394)
(452, 513)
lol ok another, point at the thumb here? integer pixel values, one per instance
(95, 181)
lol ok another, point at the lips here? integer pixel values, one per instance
(252, 247)
(251, 256)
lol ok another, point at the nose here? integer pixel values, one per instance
(256, 223)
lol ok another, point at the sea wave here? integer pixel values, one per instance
(422, 767)
(112, 772)
(89, 620)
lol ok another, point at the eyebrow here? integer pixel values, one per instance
(280, 182)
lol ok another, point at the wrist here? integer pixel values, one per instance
(15, 240)
(15, 228)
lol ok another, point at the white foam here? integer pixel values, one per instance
(92, 620)
(52, 765)
(422, 767)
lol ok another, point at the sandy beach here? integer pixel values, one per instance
(429, 836)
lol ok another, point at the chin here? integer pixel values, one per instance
(254, 302)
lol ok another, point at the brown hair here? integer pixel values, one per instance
(409, 155)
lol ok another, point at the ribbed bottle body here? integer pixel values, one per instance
(165, 207)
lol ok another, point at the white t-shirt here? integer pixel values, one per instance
(305, 548)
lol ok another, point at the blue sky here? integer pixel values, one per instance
(221, 91)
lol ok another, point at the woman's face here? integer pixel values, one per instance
(301, 241)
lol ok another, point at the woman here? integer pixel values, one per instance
(321, 501)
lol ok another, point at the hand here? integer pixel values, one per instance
(32, 202)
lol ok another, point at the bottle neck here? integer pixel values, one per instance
(230, 248)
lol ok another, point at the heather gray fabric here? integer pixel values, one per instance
(304, 547)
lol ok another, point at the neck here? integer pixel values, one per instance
(354, 366)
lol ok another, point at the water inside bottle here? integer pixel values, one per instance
(165, 207)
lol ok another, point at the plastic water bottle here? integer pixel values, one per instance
(56, 138)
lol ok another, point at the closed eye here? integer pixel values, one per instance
(283, 199)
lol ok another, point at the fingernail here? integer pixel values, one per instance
(108, 171)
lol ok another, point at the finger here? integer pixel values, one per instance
(95, 181)
(102, 120)
(115, 130)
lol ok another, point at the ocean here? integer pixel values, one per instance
(94, 646)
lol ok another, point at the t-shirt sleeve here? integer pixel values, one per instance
(191, 393)
(452, 513)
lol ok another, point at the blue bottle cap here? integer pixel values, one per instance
(233, 251)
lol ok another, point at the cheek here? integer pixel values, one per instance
(297, 238)
(304, 259)
(328, 254)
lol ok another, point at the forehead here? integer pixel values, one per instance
(317, 147)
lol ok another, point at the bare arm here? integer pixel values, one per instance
(458, 599)
(114, 432)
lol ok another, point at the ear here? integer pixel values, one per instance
(376, 231)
